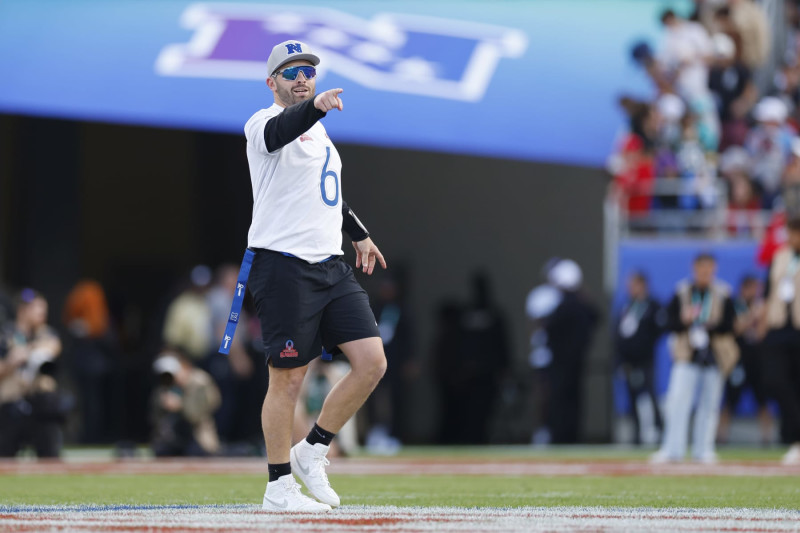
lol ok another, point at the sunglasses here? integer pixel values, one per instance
(290, 73)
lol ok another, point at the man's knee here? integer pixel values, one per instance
(370, 363)
(286, 381)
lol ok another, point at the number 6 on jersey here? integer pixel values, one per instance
(325, 184)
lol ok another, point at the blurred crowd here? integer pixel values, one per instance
(721, 342)
(75, 380)
(720, 117)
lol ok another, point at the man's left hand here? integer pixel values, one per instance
(367, 254)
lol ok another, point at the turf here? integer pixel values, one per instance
(407, 490)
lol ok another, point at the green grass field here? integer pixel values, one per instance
(434, 490)
(461, 491)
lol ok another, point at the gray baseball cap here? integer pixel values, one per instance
(289, 51)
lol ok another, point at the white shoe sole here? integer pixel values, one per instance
(267, 505)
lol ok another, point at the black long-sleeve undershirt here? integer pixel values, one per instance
(290, 124)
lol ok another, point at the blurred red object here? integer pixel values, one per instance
(774, 238)
(635, 179)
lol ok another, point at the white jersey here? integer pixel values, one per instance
(297, 192)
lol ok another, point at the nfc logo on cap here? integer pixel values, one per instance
(293, 47)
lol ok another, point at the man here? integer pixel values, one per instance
(782, 341)
(639, 326)
(749, 309)
(564, 320)
(31, 410)
(305, 295)
(704, 351)
(183, 408)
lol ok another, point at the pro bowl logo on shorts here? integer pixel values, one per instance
(289, 350)
(413, 54)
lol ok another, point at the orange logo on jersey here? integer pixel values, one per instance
(289, 351)
(305, 137)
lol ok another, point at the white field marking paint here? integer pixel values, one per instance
(223, 519)
(395, 466)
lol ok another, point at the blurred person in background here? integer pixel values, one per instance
(471, 370)
(731, 83)
(744, 206)
(639, 325)
(233, 373)
(685, 56)
(318, 382)
(563, 321)
(791, 174)
(188, 321)
(751, 23)
(786, 86)
(748, 372)
(91, 355)
(633, 165)
(386, 405)
(770, 146)
(704, 351)
(781, 347)
(183, 407)
(32, 410)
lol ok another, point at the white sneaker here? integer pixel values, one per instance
(792, 456)
(709, 458)
(309, 463)
(662, 457)
(284, 496)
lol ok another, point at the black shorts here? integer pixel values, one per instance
(304, 307)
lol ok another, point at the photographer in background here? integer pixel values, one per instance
(31, 408)
(184, 404)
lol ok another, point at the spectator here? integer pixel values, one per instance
(31, 408)
(685, 56)
(188, 321)
(633, 167)
(791, 174)
(184, 403)
(747, 373)
(770, 145)
(564, 320)
(787, 88)
(91, 357)
(744, 206)
(233, 373)
(701, 316)
(694, 168)
(731, 82)
(639, 326)
(782, 342)
(750, 21)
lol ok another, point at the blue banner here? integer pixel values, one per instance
(531, 80)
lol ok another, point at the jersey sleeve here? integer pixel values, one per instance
(254, 131)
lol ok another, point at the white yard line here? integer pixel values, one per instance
(223, 519)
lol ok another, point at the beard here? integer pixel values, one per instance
(289, 97)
